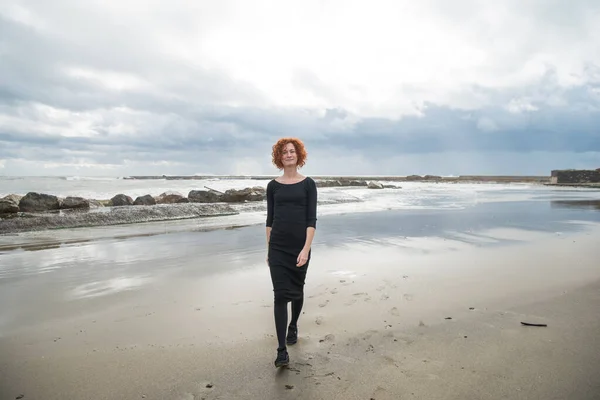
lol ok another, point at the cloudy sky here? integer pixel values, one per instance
(124, 87)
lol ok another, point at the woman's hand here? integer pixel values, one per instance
(302, 258)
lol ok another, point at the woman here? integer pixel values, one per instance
(291, 223)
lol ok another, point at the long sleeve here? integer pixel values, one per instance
(311, 216)
(270, 205)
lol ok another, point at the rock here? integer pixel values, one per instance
(183, 200)
(340, 183)
(328, 183)
(353, 182)
(96, 203)
(204, 196)
(414, 178)
(248, 194)
(121, 200)
(33, 202)
(13, 197)
(75, 202)
(391, 187)
(169, 198)
(375, 185)
(146, 200)
(8, 206)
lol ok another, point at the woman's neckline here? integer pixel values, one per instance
(288, 184)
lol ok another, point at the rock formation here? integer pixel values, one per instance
(33, 202)
(146, 200)
(8, 205)
(171, 198)
(121, 200)
(75, 203)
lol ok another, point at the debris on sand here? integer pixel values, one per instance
(532, 324)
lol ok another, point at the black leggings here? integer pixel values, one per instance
(281, 318)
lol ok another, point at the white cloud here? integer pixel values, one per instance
(108, 79)
(160, 82)
(380, 58)
(517, 106)
(23, 15)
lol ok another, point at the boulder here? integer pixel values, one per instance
(375, 185)
(8, 206)
(13, 197)
(256, 193)
(121, 200)
(204, 196)
(328, 183)
(146, 200)
(34, 201)
(341, 182)
(169, 198)
(75, 202)
(183, 200)
(353, 182)
(96, 203)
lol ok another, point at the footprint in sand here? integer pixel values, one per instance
(324, 303)
(334, 291)
(349, 303)
(363, 294)
(319, 320)
(407, 297)
(385, 296)
(378, 393)
(328, 338)
(395, 312)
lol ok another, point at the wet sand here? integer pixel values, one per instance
(387, 316)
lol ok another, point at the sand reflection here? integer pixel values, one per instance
(108, 287)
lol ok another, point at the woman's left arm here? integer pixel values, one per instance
(311, 222)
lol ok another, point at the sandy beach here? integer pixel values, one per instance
(389, 314)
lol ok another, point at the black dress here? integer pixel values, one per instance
(291, 209)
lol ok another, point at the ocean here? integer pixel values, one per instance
(332, 200)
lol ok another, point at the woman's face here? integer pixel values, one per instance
(289, 157)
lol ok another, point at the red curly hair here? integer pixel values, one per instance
(278, 151)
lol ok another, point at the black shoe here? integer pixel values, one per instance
(282, 359)
(292, 336)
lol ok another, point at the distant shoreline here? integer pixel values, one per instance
(396, 178)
